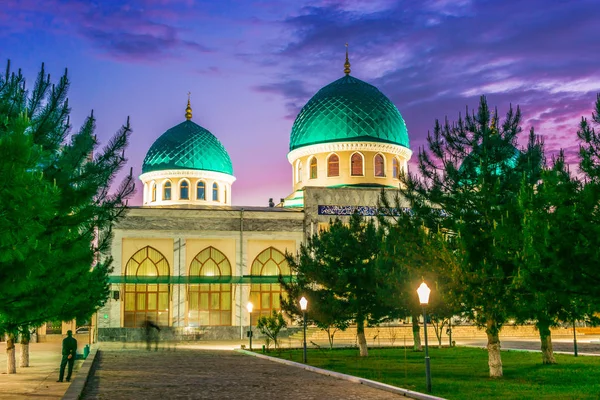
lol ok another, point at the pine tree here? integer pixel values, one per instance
(341, 262)
(55, 265)
(412, 253)
(472, 172)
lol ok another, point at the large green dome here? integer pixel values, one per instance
(348, 110)
(187, 146)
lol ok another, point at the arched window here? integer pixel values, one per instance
(184, 190)
(313, 168)
(299, 172)
(215, 192)
(146, 300)
(167, 191)
(266, 296)
(153, 191)
(379, 165)
(333, 165)
(356, 165)
(200, 190)
(225, 194)
(395, 168)
(209, 303)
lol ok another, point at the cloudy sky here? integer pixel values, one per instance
(252, 65)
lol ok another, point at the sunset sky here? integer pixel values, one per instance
(252, 65)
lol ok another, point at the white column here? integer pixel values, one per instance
(179, 270)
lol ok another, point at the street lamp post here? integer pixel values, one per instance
(249, 307)
(423, 291)
(303, 304)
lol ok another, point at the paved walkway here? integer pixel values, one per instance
(39, 380)
(212, 374)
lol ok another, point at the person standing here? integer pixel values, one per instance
(69, 350)
(150, 333)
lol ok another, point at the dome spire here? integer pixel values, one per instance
(188, 109)
(347, 63)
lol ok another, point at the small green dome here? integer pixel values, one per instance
(187, 146)
(348, 110)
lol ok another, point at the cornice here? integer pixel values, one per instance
(319, 148)
(187, 173)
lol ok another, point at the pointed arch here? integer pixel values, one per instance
(153, 189)
(200, 190)
(298, 171)
(215, 192)
(209, 304)
(357, 164)
(395, 168)
(167, 190)
(313, 168)
(266, 296)
(333, 165)
(145, 300)
(184, 190)
(379, 165)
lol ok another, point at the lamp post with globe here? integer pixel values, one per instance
(423, 291)
(249, 307)
(303, 305)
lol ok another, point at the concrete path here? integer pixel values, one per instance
(39, 380)
(212, 374)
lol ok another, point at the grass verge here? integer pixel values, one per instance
(462, 373)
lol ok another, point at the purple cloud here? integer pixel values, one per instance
(433, 59)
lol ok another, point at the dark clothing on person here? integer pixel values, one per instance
(69, 351)
(150, 333)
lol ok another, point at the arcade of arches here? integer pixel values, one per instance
(208, 285)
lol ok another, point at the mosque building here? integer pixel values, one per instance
(189, 260)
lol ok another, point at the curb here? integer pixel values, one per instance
(78, 384)
(355, 379)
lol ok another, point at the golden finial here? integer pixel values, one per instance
(347, 63)
(188, 109)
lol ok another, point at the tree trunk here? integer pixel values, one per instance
(546, 340)
(24, 352)
(11, 362)
(416, 334)
(362, 341)
(493, 346)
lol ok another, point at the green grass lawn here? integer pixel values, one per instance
(462, 373)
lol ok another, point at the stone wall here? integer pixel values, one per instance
(174, 334)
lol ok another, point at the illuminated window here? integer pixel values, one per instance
(225, 194)
(356, 165)
(266, 296)
(299, 172)
(209, 303)
(146, 300)
(313, 168)
(395, 168)
(184, 191)
(200, 191)
(153, 191)
(379, 165)
(167, 191)
(215, 192)
(333, 165)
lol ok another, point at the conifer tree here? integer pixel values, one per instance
(339, 264)
(56, 200)
(472, 171)
(412, 253)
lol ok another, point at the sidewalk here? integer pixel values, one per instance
(39, 380)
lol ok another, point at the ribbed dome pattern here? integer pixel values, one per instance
(187, 146)
(348, 110)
